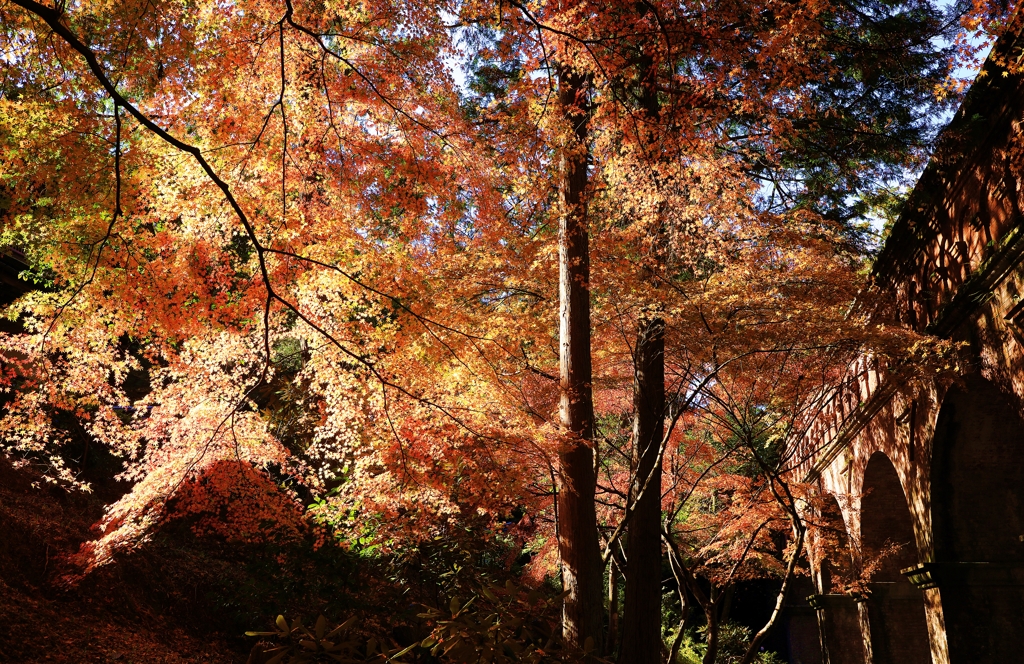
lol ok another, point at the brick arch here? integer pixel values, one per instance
(838, 565)
(834, 561)
(885, 521)
(955, 263)
(898, 624)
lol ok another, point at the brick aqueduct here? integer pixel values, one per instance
(940, 472)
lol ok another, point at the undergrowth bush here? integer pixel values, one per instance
(733, 640)
(497, 625)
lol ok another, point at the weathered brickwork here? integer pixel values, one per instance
(940, 471)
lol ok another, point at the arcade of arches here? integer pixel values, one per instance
(926, 490)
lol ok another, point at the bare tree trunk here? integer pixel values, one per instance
(706, 602)
(780, 600)
(684, 622)
(582, 570)
(641, 627)
(725, 602)
(613, 607)
(684, 609)
(711, 654)
(788, 502)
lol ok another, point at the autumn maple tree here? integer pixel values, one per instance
(406, 258)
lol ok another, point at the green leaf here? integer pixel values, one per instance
(321, 627)
(403, 651)
(283, 625)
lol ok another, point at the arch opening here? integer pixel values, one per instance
(831, 541)
(838, 614)
(898, 626)
(887, 528)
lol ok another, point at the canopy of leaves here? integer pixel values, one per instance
(303, 252)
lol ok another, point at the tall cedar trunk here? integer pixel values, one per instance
(577, 521)
(641, 621)
(641, 625)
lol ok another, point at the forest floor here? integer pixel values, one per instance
(112, 616)
(179, 598)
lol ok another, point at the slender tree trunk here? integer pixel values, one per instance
(641, 627)
(705, 601)
(780, 599)
(684, 623)
(613, 607)
(711, 654)
(684, 606)
(725, 602)
(582, 570)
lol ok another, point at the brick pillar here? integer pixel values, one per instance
(839, 627)
(802, 633)
(982, 607)
(899, 629)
